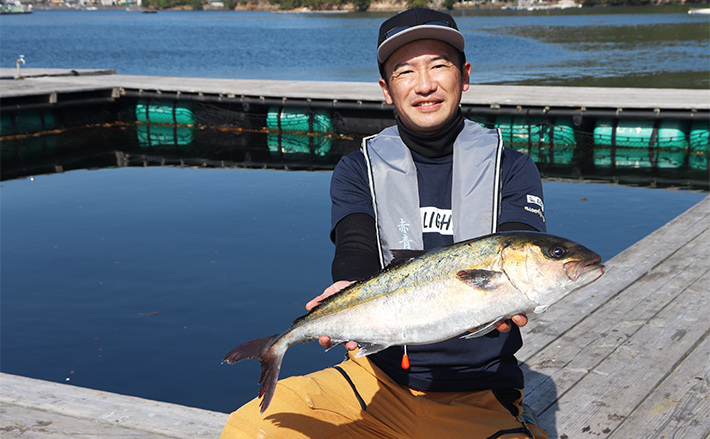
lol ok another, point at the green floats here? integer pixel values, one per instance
(637, 133)
(26, 122)
(151, 136)
(639, 157)
(542, 141)
(557, 143)
(289, 143)
(641, 143)
(165, 112)
(699, 143)
(520, 132)
(301, 120)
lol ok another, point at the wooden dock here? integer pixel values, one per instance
(32, 408)
(62, 86)
(626, 357)
(629, 356)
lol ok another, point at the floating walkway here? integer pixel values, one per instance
(66, 87)
(625, 357)
(564, 129)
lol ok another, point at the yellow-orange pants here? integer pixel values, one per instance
(324, 405)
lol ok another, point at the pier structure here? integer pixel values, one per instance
(57, 88)
(568, 131)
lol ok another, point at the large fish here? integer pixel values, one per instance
(426, 297)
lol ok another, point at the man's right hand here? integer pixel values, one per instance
(324, 340)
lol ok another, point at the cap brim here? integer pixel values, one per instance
(423, 32)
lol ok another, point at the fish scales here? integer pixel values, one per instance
(438, 295)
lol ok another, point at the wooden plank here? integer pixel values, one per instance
(623, 270)
(23, 423)
(563, 363)
(607, 364)
(94, 410)
(610, 392)
(680, 406)
(485, 95)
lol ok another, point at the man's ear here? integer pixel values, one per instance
(465, 76)
(386, 91)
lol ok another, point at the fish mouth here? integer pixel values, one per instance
(575, 269)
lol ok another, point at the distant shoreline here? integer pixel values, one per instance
(375, 6)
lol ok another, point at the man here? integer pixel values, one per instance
(431, 180)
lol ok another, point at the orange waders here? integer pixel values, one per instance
(357, 400)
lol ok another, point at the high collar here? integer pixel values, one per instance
(436, 145)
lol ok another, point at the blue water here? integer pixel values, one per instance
(139, 280)
(643, 46)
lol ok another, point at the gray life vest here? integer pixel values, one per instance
(475, 191)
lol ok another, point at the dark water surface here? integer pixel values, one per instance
(637, 47)
(139, 280)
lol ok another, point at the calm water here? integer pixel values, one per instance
(642, 47)
(139, 280)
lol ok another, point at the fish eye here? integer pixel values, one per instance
(557, 252)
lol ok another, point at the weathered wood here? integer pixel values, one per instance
(593, 360)
(24, 422)
(486, 95)
(36, 408)
(624, 375)
(680, 405)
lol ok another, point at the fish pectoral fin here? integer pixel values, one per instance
(483, 279)
(370, 348)
(480, 331)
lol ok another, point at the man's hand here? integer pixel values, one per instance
(339, 285)
(504, 325)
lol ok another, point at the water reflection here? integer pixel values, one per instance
(646, 154)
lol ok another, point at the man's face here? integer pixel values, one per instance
(425, 84)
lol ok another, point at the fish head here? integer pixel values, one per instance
(545, 268)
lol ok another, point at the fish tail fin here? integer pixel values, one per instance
(270, 354)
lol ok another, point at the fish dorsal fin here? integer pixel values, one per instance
(369, 348)
(482, 279)
(399, 257)
(480, 331)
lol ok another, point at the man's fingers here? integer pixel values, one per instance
(502, 326)
(315, 301)
(519, 320)
(324, 341)
(337, 286)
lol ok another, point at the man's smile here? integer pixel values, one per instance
(426, 103)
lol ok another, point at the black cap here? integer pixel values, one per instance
(416, 24)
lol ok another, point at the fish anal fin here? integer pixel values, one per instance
(482, 279)
(480, 331)
(369, 348)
